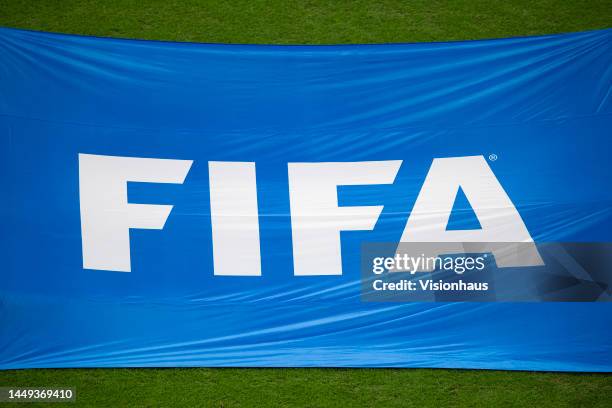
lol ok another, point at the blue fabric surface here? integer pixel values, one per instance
(541, 105)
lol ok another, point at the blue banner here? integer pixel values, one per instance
(401, 205)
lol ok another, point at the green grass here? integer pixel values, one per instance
(313, 22)
(321, 387)
(307, 21)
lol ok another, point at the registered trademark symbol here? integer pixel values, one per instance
(492, 157)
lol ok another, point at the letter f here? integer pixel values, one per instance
(106, 215)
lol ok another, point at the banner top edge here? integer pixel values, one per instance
(331, 46)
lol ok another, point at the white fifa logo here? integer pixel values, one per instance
(316, 218)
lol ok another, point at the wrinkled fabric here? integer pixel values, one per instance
(540, 106)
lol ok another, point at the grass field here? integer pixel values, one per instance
(313, 22)
(322, 387)
(308, 21)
